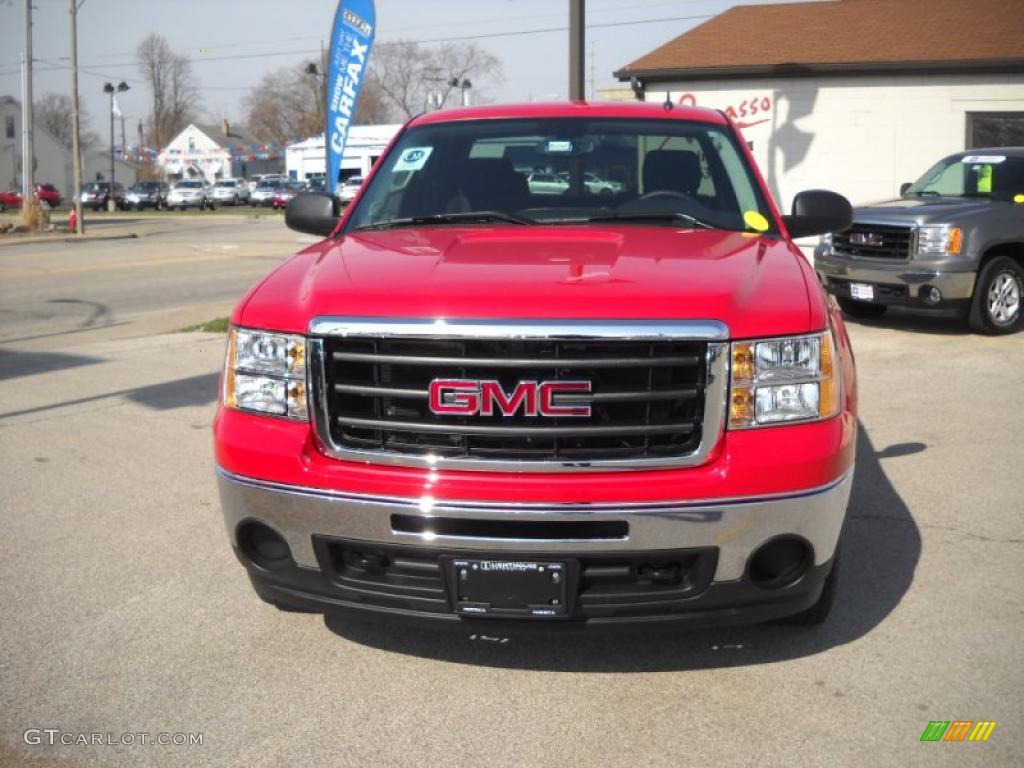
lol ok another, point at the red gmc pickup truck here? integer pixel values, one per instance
(481, 402)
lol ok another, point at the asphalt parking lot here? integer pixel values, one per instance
(124, 610)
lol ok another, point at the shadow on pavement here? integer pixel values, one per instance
(195, 390)
(901, 319)
(181, 393)
(881, 547)
(14, 363)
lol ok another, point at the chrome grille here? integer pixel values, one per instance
(874, 241)
(649, 402)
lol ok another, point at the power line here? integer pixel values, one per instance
(450, 39)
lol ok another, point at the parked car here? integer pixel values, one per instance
(265, 189)
(47, 194)
(474, 406)
(548, 184)
(953, 242)
(283, 194)
(147, 194)
(96, 194)
(599, 186)
(254, 181)
(349, 188)
(191, 193)
(317, 183)
(230, 191)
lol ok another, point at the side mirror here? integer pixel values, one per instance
(904, 187)
(313, 213)
(818, 211)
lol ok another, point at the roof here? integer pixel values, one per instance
(235, 137)
(843, 37)
(583, 109)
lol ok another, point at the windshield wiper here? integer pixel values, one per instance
(924, 192)
(446, 218)
(667, 216)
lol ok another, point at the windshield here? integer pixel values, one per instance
(989, 175)
(189, 185)
(561, 170)
(226, 184)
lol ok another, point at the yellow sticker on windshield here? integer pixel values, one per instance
(756, 221)
(1018, 199)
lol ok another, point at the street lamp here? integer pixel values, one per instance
(465, 85)
(112, 89)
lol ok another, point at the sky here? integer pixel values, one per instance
(233, 43)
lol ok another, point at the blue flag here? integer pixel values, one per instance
(354, 24)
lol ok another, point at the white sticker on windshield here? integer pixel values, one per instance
(983, 159)
(413, 158)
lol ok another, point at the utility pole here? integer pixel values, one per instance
(28, 184)
(593, 55)
(76, 147)
(577, 50)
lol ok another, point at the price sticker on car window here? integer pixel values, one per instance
(972, 159)
(413, 158)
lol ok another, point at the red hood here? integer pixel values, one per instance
(758, 286)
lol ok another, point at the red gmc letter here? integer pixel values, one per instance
(464, 400)
(492, 394)
(548, 390)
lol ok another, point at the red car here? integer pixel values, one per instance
(474, 405)
(47, 193)
(285, 193)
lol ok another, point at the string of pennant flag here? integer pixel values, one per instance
(246, 152)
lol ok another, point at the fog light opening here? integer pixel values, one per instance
(779, 562)
(931, 295)
(263, 546)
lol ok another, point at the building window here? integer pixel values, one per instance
(9, 127)
(995, 129)
(191, 144)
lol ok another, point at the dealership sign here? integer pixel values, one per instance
(351, 40)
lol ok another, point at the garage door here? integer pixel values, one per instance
(995, 129)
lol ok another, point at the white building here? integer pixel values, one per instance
(216, 152)
(857, 96)
(366, 143)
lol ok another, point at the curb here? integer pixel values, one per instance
(64, 239)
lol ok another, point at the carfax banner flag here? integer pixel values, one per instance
(351, 39)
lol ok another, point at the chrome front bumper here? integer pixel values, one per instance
(953, 285)
(736, 527)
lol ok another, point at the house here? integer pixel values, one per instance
(851, 95)
(53, 161)
(216, 152)
(366, 143)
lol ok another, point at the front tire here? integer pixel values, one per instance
(861, 309)
(996, 306)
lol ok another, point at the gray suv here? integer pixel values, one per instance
(953, 241)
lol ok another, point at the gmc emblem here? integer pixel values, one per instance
(472, 397)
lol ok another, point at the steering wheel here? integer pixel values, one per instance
(665, 193)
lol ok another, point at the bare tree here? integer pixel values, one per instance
(288, 104)
(53, 114)
(284, 106)
(173, 89)
(413, 78)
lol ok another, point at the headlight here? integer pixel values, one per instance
(265, 372)
(775, 381)
(939, 240)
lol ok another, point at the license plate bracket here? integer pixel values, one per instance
(533, 589)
